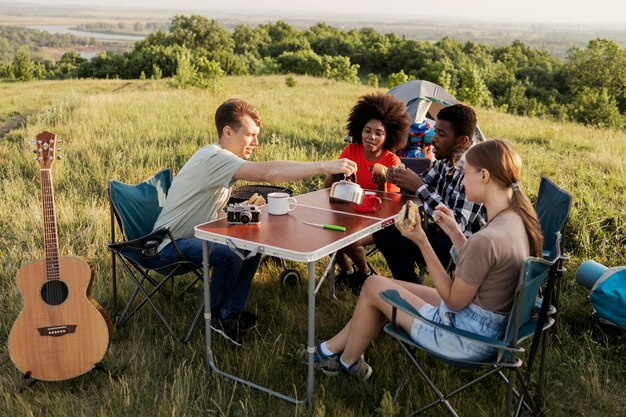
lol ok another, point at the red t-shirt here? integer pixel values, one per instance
(356, 153)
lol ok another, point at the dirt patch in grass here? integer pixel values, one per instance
(14, 123)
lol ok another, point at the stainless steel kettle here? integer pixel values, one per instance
(346, 192)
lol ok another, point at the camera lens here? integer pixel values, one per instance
(245, 217)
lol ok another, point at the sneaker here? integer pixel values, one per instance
(356, 281)
(229, 329)
(327, 364)
(342, 280)
(247, 320)
(360, 369)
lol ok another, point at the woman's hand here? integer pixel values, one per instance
(379, 177)
(412, 229)
(444, 218)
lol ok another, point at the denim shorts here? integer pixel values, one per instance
(472, 318)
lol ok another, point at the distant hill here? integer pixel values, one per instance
(550, 37)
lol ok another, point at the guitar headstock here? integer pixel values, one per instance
(45, 149)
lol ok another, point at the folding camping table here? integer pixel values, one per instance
(289, 238)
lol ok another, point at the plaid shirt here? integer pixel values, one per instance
(443, 186)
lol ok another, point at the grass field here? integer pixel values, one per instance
(130, 129)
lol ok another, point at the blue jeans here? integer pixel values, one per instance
(231, 277)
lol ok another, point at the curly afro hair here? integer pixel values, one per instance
(386, 108)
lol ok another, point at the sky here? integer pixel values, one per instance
(564, 11)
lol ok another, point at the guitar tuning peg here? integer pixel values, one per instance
(58, 156)
(37, 158)
(34, 150)
(59, 140)
(34, 142)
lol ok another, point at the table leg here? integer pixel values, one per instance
(210, 364)
(311, 331)
(207, 305)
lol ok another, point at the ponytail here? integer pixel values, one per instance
(523, 207)
(504, 165)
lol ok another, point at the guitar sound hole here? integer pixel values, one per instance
(54, 292)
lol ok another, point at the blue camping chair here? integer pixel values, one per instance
(522, 324)
(135, 208)
(553, 207)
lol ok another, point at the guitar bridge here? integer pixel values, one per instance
(56, 331)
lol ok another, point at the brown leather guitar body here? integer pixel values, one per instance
(62, 332)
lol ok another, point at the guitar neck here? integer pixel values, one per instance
(50, 226)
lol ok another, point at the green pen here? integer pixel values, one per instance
(327, 226)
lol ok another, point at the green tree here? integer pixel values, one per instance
(157, 73)
(250, 41)
(6, 71)
(472, 88)
(597, 107)
(22, 65)
(185, 71)
(397, 78)
(339, 68)
(69, 64)
(601, 66)
(197, 31)
(373, 79)
(301, 62)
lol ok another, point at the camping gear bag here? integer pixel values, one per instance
(608, 291)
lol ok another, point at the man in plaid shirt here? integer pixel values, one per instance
(441, 185)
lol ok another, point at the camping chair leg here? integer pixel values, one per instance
(405, 373)
(442, 398)
(198, 278)
(520, 397)
(542, 364)
(196, 317)
(555, 298)
(139, 286)
(113, 263)
(147, 298)
(114, 283)
(509, 395)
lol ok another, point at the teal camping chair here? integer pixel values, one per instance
(135, 209)
(552, 207)
(522, 325)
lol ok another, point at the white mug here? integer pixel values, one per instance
(280, 203)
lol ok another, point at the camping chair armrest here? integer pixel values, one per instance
(141, 243)
(393, 297)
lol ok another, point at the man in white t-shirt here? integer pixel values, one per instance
(202, 188)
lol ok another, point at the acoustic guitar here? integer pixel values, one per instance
(62, 332)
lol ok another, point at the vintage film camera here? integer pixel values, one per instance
(242, 213)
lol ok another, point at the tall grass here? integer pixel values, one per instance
(129, 130)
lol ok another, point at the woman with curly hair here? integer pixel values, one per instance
(378, 125)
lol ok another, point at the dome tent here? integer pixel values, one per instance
(423, 100)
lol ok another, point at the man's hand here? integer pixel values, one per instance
(406, 179)
(340, 166)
